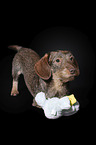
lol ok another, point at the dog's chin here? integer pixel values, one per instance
(71, 78)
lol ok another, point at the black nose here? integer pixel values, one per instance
(72, 71)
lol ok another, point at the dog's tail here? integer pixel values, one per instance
(15, 47)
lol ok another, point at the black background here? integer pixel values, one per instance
(44, 37)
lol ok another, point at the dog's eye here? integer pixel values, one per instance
(57, 60)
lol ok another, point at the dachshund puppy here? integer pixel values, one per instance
(50, 74)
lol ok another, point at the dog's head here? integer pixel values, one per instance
(59, 64)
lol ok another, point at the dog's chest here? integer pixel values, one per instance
(57, 85)
(56, 89)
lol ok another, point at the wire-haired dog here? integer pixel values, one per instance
(50, 74)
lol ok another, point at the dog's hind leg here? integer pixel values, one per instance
(14, 90)
(16, 71)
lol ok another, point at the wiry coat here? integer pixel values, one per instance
(49, 74)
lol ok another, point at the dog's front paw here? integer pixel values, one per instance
(14, 92)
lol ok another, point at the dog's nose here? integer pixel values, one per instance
(72, 71)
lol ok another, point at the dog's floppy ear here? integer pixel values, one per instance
(42, 68)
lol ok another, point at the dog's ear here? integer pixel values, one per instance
(42, 68)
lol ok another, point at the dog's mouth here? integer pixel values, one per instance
(72, 78)
(66, 75)
(65, 80)
(74, 75)
(71, 72)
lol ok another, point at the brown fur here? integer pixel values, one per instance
(49, 74)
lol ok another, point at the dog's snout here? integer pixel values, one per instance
(72, 71)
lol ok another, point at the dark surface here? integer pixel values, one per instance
(44, 38)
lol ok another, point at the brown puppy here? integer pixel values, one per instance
(49, 74)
